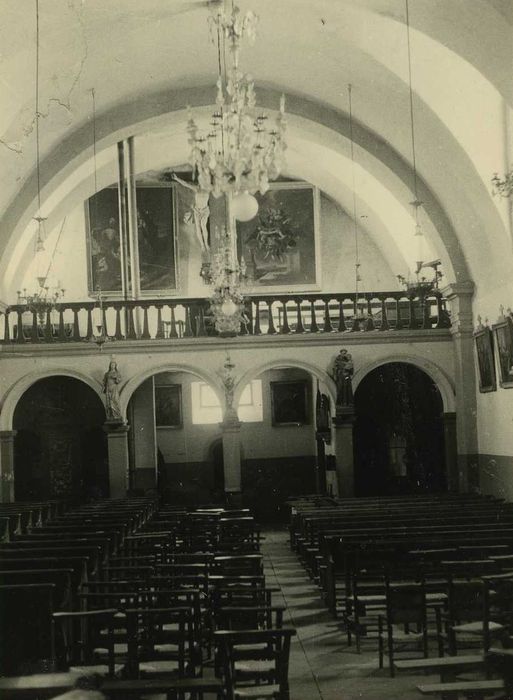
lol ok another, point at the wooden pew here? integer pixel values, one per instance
(27, 642)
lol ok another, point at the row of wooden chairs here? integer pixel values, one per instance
(116, 593)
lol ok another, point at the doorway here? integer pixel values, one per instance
(399, 432)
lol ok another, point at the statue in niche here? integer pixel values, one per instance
(342, 375)
(111, 381)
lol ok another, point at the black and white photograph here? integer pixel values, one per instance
(256, 349)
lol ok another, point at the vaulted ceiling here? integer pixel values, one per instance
(148, 59)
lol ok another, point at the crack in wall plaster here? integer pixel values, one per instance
(65, 104)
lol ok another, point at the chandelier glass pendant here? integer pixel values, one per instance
(243, 148)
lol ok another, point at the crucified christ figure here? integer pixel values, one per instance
(200, 211)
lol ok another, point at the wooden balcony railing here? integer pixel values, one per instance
(173, 319)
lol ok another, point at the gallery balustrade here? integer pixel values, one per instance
(173, 319)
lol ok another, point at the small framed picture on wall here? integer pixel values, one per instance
(289, 403)
(168, 406)
(503, 337)
(483, 340)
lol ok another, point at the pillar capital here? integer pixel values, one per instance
(459, 295)
(115, 428)
(230, 426)
(344, 417)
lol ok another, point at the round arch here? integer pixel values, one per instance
(307, 115)
(439, 377)
(15, 393)
(132, 384)
(281, 364)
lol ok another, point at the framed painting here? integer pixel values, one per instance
(156, 226)
(280, 246)
(483, 340)
(168, 406)
(156, 241)
(503, 337)
(289, 403)
(103, 238)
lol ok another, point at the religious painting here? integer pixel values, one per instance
(503, 336)
(289, 403)
(483, 340)
(168, 406)
(156, 237)
(156, 241)
(104, 242)
(280, 245)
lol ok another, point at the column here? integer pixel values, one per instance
(119, 469)
(451, 451)
(459, 297)
(7, 465)
(231, 456)
(344, 455)
(320, 466)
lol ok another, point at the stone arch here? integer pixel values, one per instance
(254, 372)
(142, 114)
(15, 393)
(131, 385)
(438, 376)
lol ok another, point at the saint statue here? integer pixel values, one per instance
(111, 381)
(343, 370)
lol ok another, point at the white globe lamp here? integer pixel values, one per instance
(244, 206)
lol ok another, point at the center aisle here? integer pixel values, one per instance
(322, 666)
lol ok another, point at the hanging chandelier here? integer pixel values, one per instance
(44, 297)
(421, 285)
(227, 275)
(243, 149)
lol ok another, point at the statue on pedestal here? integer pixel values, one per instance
(228, 380)
(111, 381)
(342, 374)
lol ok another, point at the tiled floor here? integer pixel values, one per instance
(322, 665)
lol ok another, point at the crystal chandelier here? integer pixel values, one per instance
(46, 295)
(227, 275)
(243, 149)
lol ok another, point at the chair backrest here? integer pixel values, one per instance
(239, 617)
(149, 627)
(406, 603)
(272, 646)
(466, 600)
(78, 634)
(498, 607)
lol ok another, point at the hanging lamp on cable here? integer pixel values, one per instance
(416, 203)
(421, 286)
(43, 299)
(361, 320)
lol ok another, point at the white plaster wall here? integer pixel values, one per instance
(66, 244)
(263, 440)
(190, 443)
